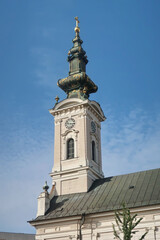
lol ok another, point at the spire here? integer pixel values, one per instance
(76, 55)
(77, 84)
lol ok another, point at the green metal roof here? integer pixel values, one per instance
(135, 190)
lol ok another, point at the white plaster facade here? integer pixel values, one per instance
(98, 226)
(78, 173)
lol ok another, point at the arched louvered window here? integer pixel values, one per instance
(70, 148)
(93, 151)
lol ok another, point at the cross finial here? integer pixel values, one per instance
(77, 21)
(77, 29)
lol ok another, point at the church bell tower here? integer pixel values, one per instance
(77, 141)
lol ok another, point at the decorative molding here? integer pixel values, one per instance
(69, 131)
(58, 121)
(91, 106)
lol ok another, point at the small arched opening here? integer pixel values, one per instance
(70, 148)
(93, 151)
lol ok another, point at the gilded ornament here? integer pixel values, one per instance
(57, 99)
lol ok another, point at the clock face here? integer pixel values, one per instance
(93, 127)
(70, 123)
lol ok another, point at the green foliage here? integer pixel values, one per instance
(126, 224)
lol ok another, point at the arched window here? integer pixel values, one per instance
(93, 151)
(70, 148)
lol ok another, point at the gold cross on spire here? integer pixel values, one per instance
(77, 29)
(77, 21)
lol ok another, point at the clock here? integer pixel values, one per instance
(70, 123)
(93, 127)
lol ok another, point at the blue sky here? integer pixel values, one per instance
(121, 38)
